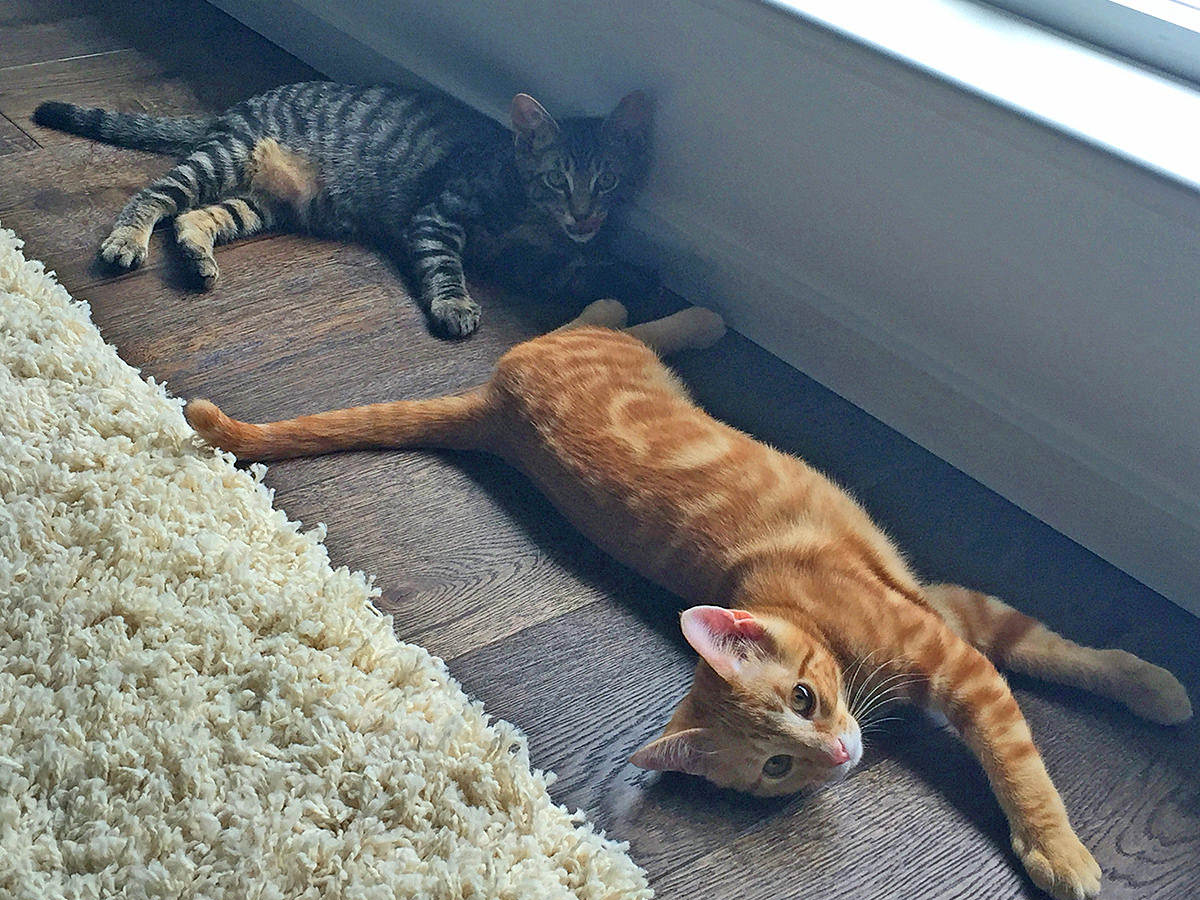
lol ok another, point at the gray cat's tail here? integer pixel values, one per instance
(134, 130)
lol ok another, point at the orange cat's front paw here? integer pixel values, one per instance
(1059, 864)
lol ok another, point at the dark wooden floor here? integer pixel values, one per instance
(534, 621)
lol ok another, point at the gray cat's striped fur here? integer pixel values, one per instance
(424, 178)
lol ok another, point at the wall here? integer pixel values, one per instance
(1018, 303)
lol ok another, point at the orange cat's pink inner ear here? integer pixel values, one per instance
(681, 751)
(725, 638)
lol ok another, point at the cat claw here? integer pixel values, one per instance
(455, 318)
(125, 248)
(1060, 865)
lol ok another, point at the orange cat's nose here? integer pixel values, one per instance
(838, 753)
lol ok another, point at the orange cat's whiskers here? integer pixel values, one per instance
(893, 695)
(877, 725)
(887, 690)
(790, 576)
(851, 688)
(863, 689)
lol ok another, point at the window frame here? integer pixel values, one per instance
(1161, 34)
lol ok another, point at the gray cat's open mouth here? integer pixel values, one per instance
(584, 231)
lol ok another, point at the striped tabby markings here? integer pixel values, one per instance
(708, 447)
(127, 245)
(283, 174)
(699, 506)
(626, 411)
(197, 231)
(965, 685)
(802, 534)
(1012, 639)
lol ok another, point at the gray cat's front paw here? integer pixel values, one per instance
(126, 247)
(455, 316)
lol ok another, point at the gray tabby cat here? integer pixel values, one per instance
(424, 178)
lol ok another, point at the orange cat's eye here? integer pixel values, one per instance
(777, 766)
(804, 701)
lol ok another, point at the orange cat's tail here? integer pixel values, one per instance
(457, 422)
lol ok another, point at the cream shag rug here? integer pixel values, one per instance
(193, 703)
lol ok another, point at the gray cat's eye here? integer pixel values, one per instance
(777, 766)
(556, 179)
(606, 181)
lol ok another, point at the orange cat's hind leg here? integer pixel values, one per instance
(694, 328)
(1015, 641)
(604, 313)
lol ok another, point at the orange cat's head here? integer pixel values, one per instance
(766, 713)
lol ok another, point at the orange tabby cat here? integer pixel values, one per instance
(798, 592)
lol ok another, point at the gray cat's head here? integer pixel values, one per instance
(577, 170)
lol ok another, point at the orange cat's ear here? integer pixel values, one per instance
(726, 638)
(682, 751)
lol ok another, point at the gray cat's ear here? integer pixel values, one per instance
(685, 751)
(531, 122)
(631, 118)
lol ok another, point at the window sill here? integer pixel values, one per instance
(1143, 117)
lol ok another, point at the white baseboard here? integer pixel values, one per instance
(1021, 456)
(1082, 479)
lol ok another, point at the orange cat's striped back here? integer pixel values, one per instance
(805, 616)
